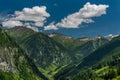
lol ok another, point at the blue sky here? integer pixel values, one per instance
(59, 9)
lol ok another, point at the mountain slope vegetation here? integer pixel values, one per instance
(46, 53)
(80, 47)
(14, 63)
(58, 57)
(102, 64)
(52, 52)
(54, 49)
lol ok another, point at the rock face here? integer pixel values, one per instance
(7, 52)
(6, 59)
(14, 63)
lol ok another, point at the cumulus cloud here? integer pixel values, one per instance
(51, 26)
(35, 15)
(84, 15)
(12, 23)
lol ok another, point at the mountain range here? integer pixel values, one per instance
(28, 55)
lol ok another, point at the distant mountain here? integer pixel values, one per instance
(102, 64)
(80, 47)
(14, 63)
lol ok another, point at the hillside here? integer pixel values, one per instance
(100, 64)
(42, 49)
(14, 64)
(79, 47)
(55, 52)
(62, 57)
(50, 49)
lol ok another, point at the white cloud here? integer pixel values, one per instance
(12, 23)
(33, 28)
(50, 27)
(35, 15)
(84, 15)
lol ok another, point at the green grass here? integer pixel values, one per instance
(102, 69)
(57, 70)
(48, 71)
(51, 70)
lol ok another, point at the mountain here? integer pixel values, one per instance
(80, 47)
(107, 64)
(53, 48)
(44, 51)
(20, 33)
(58, 56)
(14, 63)
(102, 64)
(52, 52)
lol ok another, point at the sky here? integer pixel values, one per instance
(77, 18)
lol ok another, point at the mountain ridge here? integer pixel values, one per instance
(103, 55)
(49, 50)
(14, 63)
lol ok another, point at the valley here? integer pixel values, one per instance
(56, 56)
